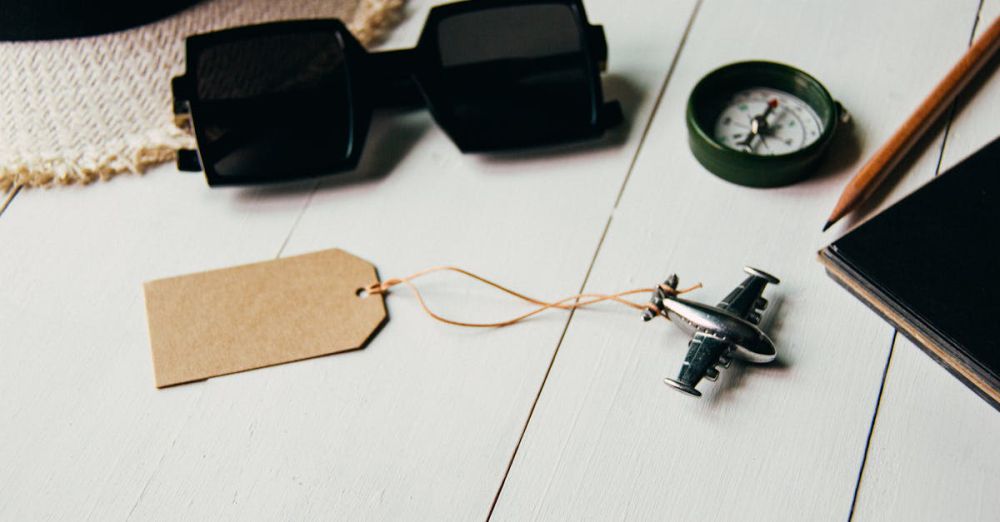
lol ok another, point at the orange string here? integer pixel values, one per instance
(579, 300)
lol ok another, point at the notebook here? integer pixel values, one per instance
(930, 265)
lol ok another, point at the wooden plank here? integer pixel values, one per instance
(82, 426)
(933, 454)
(784, 442)
(420, 425)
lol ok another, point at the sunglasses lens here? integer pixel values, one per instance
(514, 76)
(273, 106)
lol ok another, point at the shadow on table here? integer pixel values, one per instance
(732, 379)
(868, 207)
(842, 154)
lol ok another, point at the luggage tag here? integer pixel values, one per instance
(235, 319)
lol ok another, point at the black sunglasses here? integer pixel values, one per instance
(289, 100)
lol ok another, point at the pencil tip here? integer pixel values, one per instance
(827, 226)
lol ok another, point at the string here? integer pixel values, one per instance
(578, 300)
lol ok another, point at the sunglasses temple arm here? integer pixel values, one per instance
(391, 74)
(598, 46)
(187, 160)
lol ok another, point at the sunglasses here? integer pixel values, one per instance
(290, 100)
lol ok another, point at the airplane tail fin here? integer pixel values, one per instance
(761, 274)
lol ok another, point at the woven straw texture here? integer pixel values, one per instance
(78, 110)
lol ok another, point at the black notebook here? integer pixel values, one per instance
(930, 265)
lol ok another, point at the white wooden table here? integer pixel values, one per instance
(559, 418)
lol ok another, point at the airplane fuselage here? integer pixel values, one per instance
(751, 343)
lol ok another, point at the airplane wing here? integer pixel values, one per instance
(704, 353)
(745, 301)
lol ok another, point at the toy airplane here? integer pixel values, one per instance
(719, 332)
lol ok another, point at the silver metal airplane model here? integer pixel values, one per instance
(719, 333)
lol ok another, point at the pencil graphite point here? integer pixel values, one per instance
(827, 226)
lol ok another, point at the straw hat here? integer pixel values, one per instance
(79, 109)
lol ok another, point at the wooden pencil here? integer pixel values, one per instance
(888, 156)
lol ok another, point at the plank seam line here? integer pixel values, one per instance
(597, 250)
(163, 457)
(545, 378)
(953, 108)
(871, 427)
(659, 99)
(895, 335)
(295, 224)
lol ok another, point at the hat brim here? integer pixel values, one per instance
(51, 19)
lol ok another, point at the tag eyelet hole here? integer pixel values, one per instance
(361, 292)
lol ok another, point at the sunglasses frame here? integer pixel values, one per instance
(396, 78)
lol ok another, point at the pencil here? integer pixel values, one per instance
(892, 152)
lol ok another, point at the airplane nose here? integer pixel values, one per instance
(762, 352)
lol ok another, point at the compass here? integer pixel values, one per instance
(761, 124)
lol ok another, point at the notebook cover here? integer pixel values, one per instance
(930, 264)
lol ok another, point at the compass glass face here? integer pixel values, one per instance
(767, 122)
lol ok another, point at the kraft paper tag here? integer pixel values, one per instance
(235, 319)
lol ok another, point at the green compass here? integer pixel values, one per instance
(761, 124)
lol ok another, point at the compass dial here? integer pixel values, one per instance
(767, 122)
